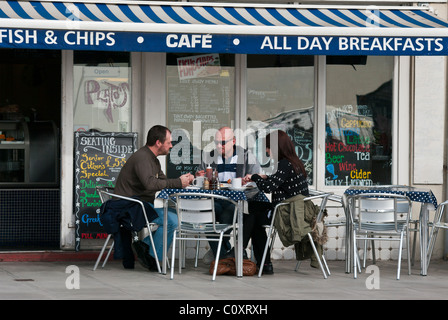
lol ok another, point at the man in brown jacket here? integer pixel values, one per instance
(142, 176)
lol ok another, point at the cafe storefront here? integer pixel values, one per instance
(360, 89)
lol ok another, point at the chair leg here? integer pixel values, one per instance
(298, 265)
(399, 256)
(355, 257)
(317, 255)
(108, 254)
(408, 252)
(266, 247)
(102, 252)
(180, 254)
(197, 254)
(173, 249)
(364, 255)
(154, 250)
(326, 265)
(414, 243)
(218, 252)
(432, 241)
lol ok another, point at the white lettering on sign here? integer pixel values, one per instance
(18, 36)
(390, 44)
(275, 43)
(319, 43)
(89, 38)
(189, 41)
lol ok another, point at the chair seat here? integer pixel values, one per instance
(379, 227)
(441, 225)
(204, 228)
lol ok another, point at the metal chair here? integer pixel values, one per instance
(106, 194)
(272, 232)
(196, 214)
(376, 216)
(328, 224)
(439, 223)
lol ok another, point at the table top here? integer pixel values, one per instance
(252, 194)
(414, 194)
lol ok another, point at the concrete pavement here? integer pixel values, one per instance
(71, 280)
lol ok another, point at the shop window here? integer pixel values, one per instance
(102, 91)
(280, 95)
(200, 100)
(358, 145)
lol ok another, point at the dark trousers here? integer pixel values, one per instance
(224, 214)
(126, 248)
(253, 228)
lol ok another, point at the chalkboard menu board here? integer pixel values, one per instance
(206, 102)
(99, 157)
(348, 147)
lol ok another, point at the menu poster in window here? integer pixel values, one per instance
(348, 146)
(199, 98)
(99, 157)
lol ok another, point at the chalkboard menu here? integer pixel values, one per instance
(99, 157)
(348, 146)
(194, 106)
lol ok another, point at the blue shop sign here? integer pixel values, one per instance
(221, 43)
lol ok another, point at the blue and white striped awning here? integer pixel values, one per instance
(206, 27)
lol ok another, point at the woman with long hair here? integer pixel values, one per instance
(287, 181)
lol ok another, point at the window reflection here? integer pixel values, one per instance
(200, 100)
(280, 95)
(102, 91)
(358, 146)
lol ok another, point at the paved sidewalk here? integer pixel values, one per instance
(53, 280)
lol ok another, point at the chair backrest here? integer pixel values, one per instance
(105, 193)
(376, 210)
(324, 196)
(382, 209)
(198, 208)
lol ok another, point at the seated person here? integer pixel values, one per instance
(230, 161)
(288, 181)
(142, 176)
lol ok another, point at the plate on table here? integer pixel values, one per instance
(243, 188)
(192, 187)
(225, 185)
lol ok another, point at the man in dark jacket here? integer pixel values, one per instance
(142, 177)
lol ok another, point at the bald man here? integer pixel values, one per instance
(231, 161)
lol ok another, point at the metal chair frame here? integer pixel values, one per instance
(196, 214)
(378, 215)
(272, 233)
(437, 224)
(106, 194)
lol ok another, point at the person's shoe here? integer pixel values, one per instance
(141, 250)
(128, 265)
(152, 263)
(268, 268)
(208, 257)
